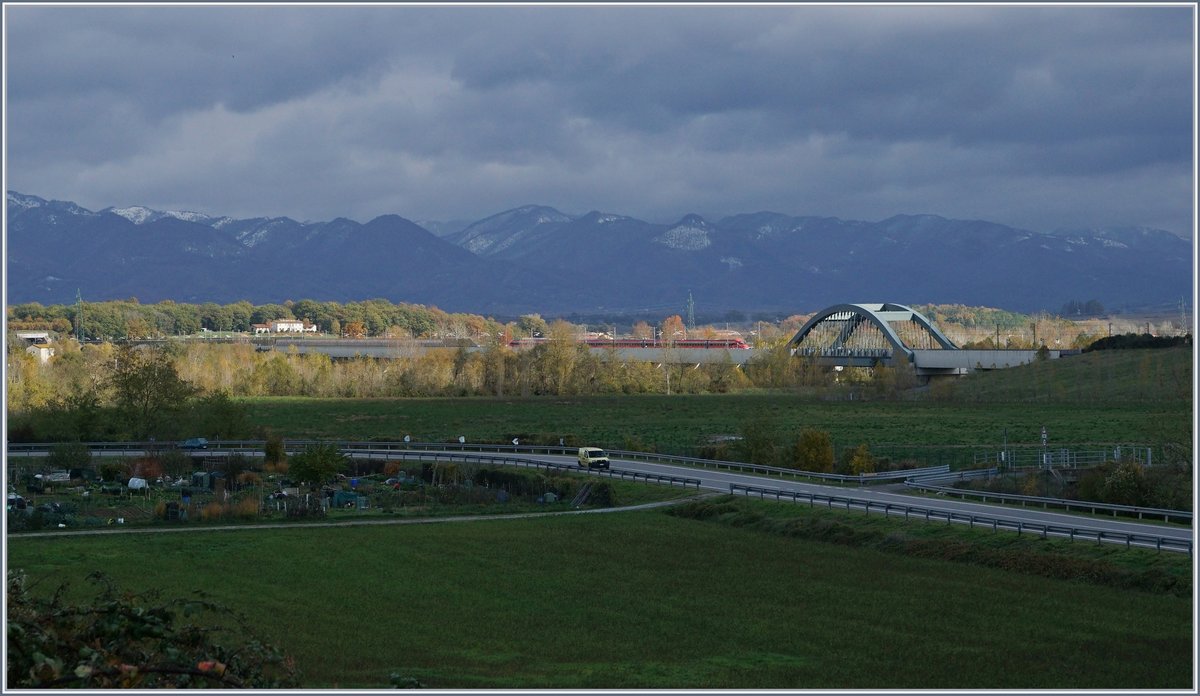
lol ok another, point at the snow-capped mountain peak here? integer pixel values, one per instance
(24, 202)
(685, 237)
(141, 215)
(189, 216)
(136, 214)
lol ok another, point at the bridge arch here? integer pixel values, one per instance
(866, 332)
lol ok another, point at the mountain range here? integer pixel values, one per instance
(538, 259)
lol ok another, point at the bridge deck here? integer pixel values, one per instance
(975, 359)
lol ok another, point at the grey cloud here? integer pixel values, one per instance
(1025, 113)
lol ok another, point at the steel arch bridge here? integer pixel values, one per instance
(867, 335)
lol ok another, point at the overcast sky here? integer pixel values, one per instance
(1036, 117)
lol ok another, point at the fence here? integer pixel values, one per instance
(1159, 542)
(1063, 458)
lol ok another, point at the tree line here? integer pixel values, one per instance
(151, 391)
(124, 319)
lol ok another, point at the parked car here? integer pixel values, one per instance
(194, 443)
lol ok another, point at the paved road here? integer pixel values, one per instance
(720, 481)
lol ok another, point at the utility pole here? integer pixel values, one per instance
(691, 312)
(78, 316)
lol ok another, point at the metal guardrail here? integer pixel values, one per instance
(966, 475)
(932, 513)
(256, 446)
(372, 448)
(1024, 500)
(860, 479)
(534, 463)
(674, 459)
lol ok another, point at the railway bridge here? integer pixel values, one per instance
(846, 335)
(888, 334)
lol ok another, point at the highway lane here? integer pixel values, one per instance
(721, 480)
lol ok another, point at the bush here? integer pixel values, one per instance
(1133, 341)
(276, 468)
(759, 443)
(124, 640)
(630, 443)
(602, 495)
(861, 461)
(114, 470)
(813, 451)
(274, 453)
(1126, 485)
(246, 508)
(305, 510)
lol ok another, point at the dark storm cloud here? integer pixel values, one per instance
(1034, 116)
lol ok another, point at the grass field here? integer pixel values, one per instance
(1110, 376)
(642, 600)
(1139, 397)
(680, 423)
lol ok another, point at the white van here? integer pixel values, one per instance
(593, 458)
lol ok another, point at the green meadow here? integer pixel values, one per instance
(682, 423)
(642, 600)
(1107, 397)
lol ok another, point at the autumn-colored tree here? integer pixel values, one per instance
(146, 467)
(355, 329)
(137, 327)
(531, 325)
(496, 361)
(813, 451)
(861, 461)
(673, 328)
(559, 356)
(643, 330)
